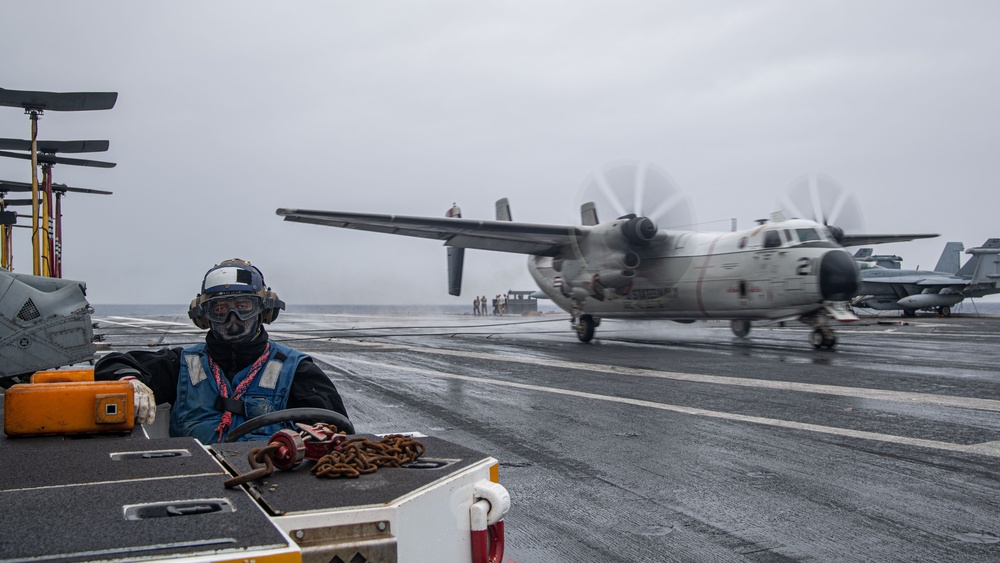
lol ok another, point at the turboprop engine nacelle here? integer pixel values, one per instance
(612, 279)
(922, 300)
(639, 231)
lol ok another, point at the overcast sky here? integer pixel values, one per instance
(229, 110)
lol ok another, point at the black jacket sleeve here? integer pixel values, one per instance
(313, 388)
(158, 370)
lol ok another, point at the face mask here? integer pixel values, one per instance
(235, 330)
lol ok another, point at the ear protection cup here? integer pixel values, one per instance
(194, 313)
(271, 306)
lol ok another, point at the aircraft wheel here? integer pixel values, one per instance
(909, 312)
(817, 338)
(741, 327)
(944, 311)
(585, 328)
(823, 338)
(829, 339)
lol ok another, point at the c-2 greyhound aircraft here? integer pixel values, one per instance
(629, 268)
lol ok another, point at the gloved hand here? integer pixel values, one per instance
(143, 400)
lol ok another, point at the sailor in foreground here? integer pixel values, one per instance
(236, 375)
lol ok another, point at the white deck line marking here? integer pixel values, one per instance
(142, 323)
(991, 449)
(861, 393)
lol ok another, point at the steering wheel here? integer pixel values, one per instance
(342, 423)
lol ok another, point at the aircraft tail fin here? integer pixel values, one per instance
(456, 259)
(588, 214)
(984, 266)
(503, 210)
(950, 260)
(863, 253)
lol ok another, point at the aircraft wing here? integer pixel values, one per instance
(502, 236)
(859, 240)
(916, 279)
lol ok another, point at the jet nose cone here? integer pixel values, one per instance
(839, 279)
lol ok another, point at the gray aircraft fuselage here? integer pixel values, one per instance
(683, 275)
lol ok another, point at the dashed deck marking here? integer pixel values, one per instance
(857, 392)
(986, 448)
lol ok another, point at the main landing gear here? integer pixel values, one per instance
(583, 324)
(741, 327)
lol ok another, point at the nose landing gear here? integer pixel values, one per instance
(823, 337)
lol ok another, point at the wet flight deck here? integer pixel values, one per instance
(668, 442)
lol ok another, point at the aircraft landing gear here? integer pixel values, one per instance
(823, 337)
(582, 323)
(741, 327)
(585, 328)
(944, 311)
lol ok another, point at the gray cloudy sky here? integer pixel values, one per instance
(229, 110)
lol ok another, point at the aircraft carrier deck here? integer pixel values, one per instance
(667, 442)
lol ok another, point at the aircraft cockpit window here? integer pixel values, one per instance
(788, 236)
(806, 235)
(772, 239)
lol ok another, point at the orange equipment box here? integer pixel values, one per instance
(58, 375)
(68, 407)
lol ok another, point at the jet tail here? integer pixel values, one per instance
(950, 260)
(985, 263)
(456, 259)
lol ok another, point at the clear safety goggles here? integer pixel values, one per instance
(246, 307)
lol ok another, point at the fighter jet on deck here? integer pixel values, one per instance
(892, 288)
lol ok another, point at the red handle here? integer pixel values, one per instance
(487, 545)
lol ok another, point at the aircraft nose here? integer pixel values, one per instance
(839, 279)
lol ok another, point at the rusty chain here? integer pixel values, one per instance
(359, 456)
(353, 458)
(256, 456)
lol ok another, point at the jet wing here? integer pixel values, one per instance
(859, 240)
(916, 279)
(502, 236)
(942, 281)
